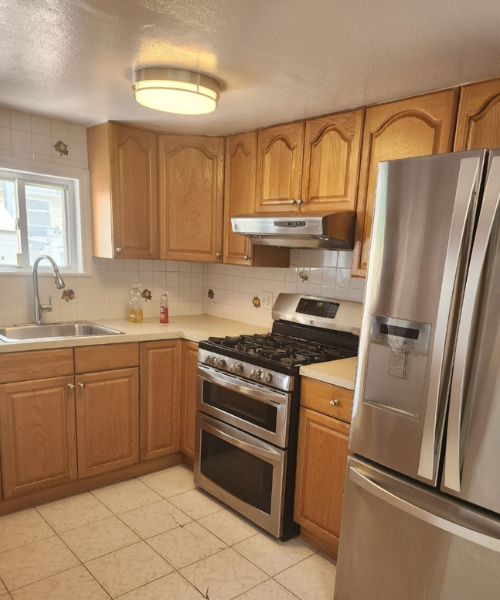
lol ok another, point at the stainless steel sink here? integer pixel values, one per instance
(54, 331)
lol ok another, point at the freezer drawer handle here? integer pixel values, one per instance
(486, 225)
(476, 537)
(468, 180)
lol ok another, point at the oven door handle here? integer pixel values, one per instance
(253, 445)
(242, 387)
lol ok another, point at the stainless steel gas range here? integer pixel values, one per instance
(248, 401)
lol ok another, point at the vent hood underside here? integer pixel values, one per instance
(334, 231)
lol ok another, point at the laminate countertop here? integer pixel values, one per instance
(189, 327)
(337, 372)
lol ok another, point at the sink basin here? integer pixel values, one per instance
(54, 331)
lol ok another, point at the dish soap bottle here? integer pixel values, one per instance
(134, 309)
(164, 308)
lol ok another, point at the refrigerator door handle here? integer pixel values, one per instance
(466, 186)
(490, 207)
(408, 505)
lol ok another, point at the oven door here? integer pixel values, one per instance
(242, 471)
(256, 409)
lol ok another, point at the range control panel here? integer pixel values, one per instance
(317, 308)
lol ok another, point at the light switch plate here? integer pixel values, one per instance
(267, 300)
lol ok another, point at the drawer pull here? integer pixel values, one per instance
(334, 402)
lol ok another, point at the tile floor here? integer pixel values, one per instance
(156, 537)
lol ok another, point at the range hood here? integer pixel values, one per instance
(333, 231)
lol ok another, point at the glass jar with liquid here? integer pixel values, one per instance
(134, 308)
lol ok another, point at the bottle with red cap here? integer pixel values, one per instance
(164, 308)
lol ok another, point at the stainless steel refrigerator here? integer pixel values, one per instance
(421, 514)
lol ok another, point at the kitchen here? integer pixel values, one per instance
(210, 287)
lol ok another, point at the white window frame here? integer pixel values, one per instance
(79, 211)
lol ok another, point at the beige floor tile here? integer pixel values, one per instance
(311, 579)
(3, 589)
(35, 561)
(74, 512)
(74, 584)
(170, 482)
(129, 568)
(224, 575)
(22, 528)
(154, 519)
(229, 527)
(186, 545)
(171, 587)
(196, 504)
(126, 496)
(97, 539)
(269, 590)
(271, 555)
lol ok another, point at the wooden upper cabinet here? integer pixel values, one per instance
(239, 193)
(123, 163)
(191, 197)
(279, 167)
(478, 122)
(332, 148)
(37, 435)
(411, 127)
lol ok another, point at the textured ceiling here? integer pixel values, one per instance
(276, 60)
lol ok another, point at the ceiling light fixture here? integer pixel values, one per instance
(175, 90)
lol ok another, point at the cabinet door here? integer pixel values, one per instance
(107, 418)
(123, 163)
(191, 197)
(134, 181)
(332, 149)
(411, 127)
(239, 196)
(478, 122)
(279, 167)
(321, 464)
(37, 435)
(189, 382)
(160, 398)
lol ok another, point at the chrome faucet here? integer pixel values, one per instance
(58, 280)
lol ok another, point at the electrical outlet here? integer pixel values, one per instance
(267, 300)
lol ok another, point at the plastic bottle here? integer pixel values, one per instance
(134, 308)
(164, 308)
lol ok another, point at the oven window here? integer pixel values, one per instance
(248, 409)
(240, 473)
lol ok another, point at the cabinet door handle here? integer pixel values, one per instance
(334, 402)
(81, 385)
(118, 250)
(299, 201)
(246, 257)
(293, 201)
(217, 255)
(71, 386)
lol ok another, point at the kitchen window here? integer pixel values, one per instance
(39, 214)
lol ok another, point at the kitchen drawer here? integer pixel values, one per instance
(319, 396)
(37, 364)
(103, 358)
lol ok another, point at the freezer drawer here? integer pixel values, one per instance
(400, 541)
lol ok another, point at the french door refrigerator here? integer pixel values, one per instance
(421, 515)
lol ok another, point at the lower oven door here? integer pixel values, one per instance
(257, 409)
(242, 471)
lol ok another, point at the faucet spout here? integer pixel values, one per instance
(58, 281)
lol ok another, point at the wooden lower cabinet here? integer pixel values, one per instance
(107, 420)
(189, 383)
(160, 398)
(319, 489)
(37, 435)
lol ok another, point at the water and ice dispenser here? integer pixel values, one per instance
(397, 364)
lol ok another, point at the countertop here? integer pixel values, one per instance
(337, 372)
(190, 327)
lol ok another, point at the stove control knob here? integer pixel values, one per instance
(268, 378)
(220, 362)
(210, 359)
(256, 374)
(236, 368)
